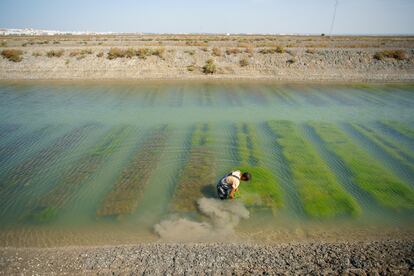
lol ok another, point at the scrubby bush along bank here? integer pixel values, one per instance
(395, 54)
(198, 173)
(54, 53)
(73, 179)
(142, 53)
(12, 55)
(263, 191)
(321, 194)
(210, 67)
(398, 152)
(274, 50)
(368, 173)
(124, 197)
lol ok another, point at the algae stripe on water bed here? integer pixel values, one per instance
(399, 127)
(396, 151)
(369, 174)
(47, 206)
(321, 194)
(23, 173)
(124, 197)
(199, 171)
(263, 191)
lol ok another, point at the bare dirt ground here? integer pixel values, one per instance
(141, 57)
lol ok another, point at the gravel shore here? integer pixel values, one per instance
(392, 257)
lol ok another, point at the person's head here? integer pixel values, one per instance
(246, 176)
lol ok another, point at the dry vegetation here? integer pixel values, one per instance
(230, 55)
(12, 55)
(395, 54)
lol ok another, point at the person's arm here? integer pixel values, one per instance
(231, 196)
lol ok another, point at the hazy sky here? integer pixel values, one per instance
(214, 16)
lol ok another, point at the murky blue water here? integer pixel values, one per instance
(104, 162)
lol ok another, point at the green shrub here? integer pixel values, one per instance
(395, 54)
(54, 53)
(12, 55)
(244, 62)
(209, 67)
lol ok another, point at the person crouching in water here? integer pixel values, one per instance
(229, 184)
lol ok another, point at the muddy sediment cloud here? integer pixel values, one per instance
(222, 218)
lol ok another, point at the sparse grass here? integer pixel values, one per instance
(395, 54)
(321, 195)
(67, 62)
(54, 53)
(368, 173)
(209, 67)
(204, 49)
(37, 54)
(56, 42)
(216, 52)
(12, 55)
(3, 44)
(244, 62)
(310, 51)
(100, 54)
(160, 52)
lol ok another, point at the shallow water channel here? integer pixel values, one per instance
(103, 163)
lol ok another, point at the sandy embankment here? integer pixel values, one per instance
(304, 58)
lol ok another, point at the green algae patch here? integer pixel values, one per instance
(321, 194)
(263, 190)
(44, 215)
(199, 171)
(396, 151)
(368, 173)
(399, 127)
(123, 199)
